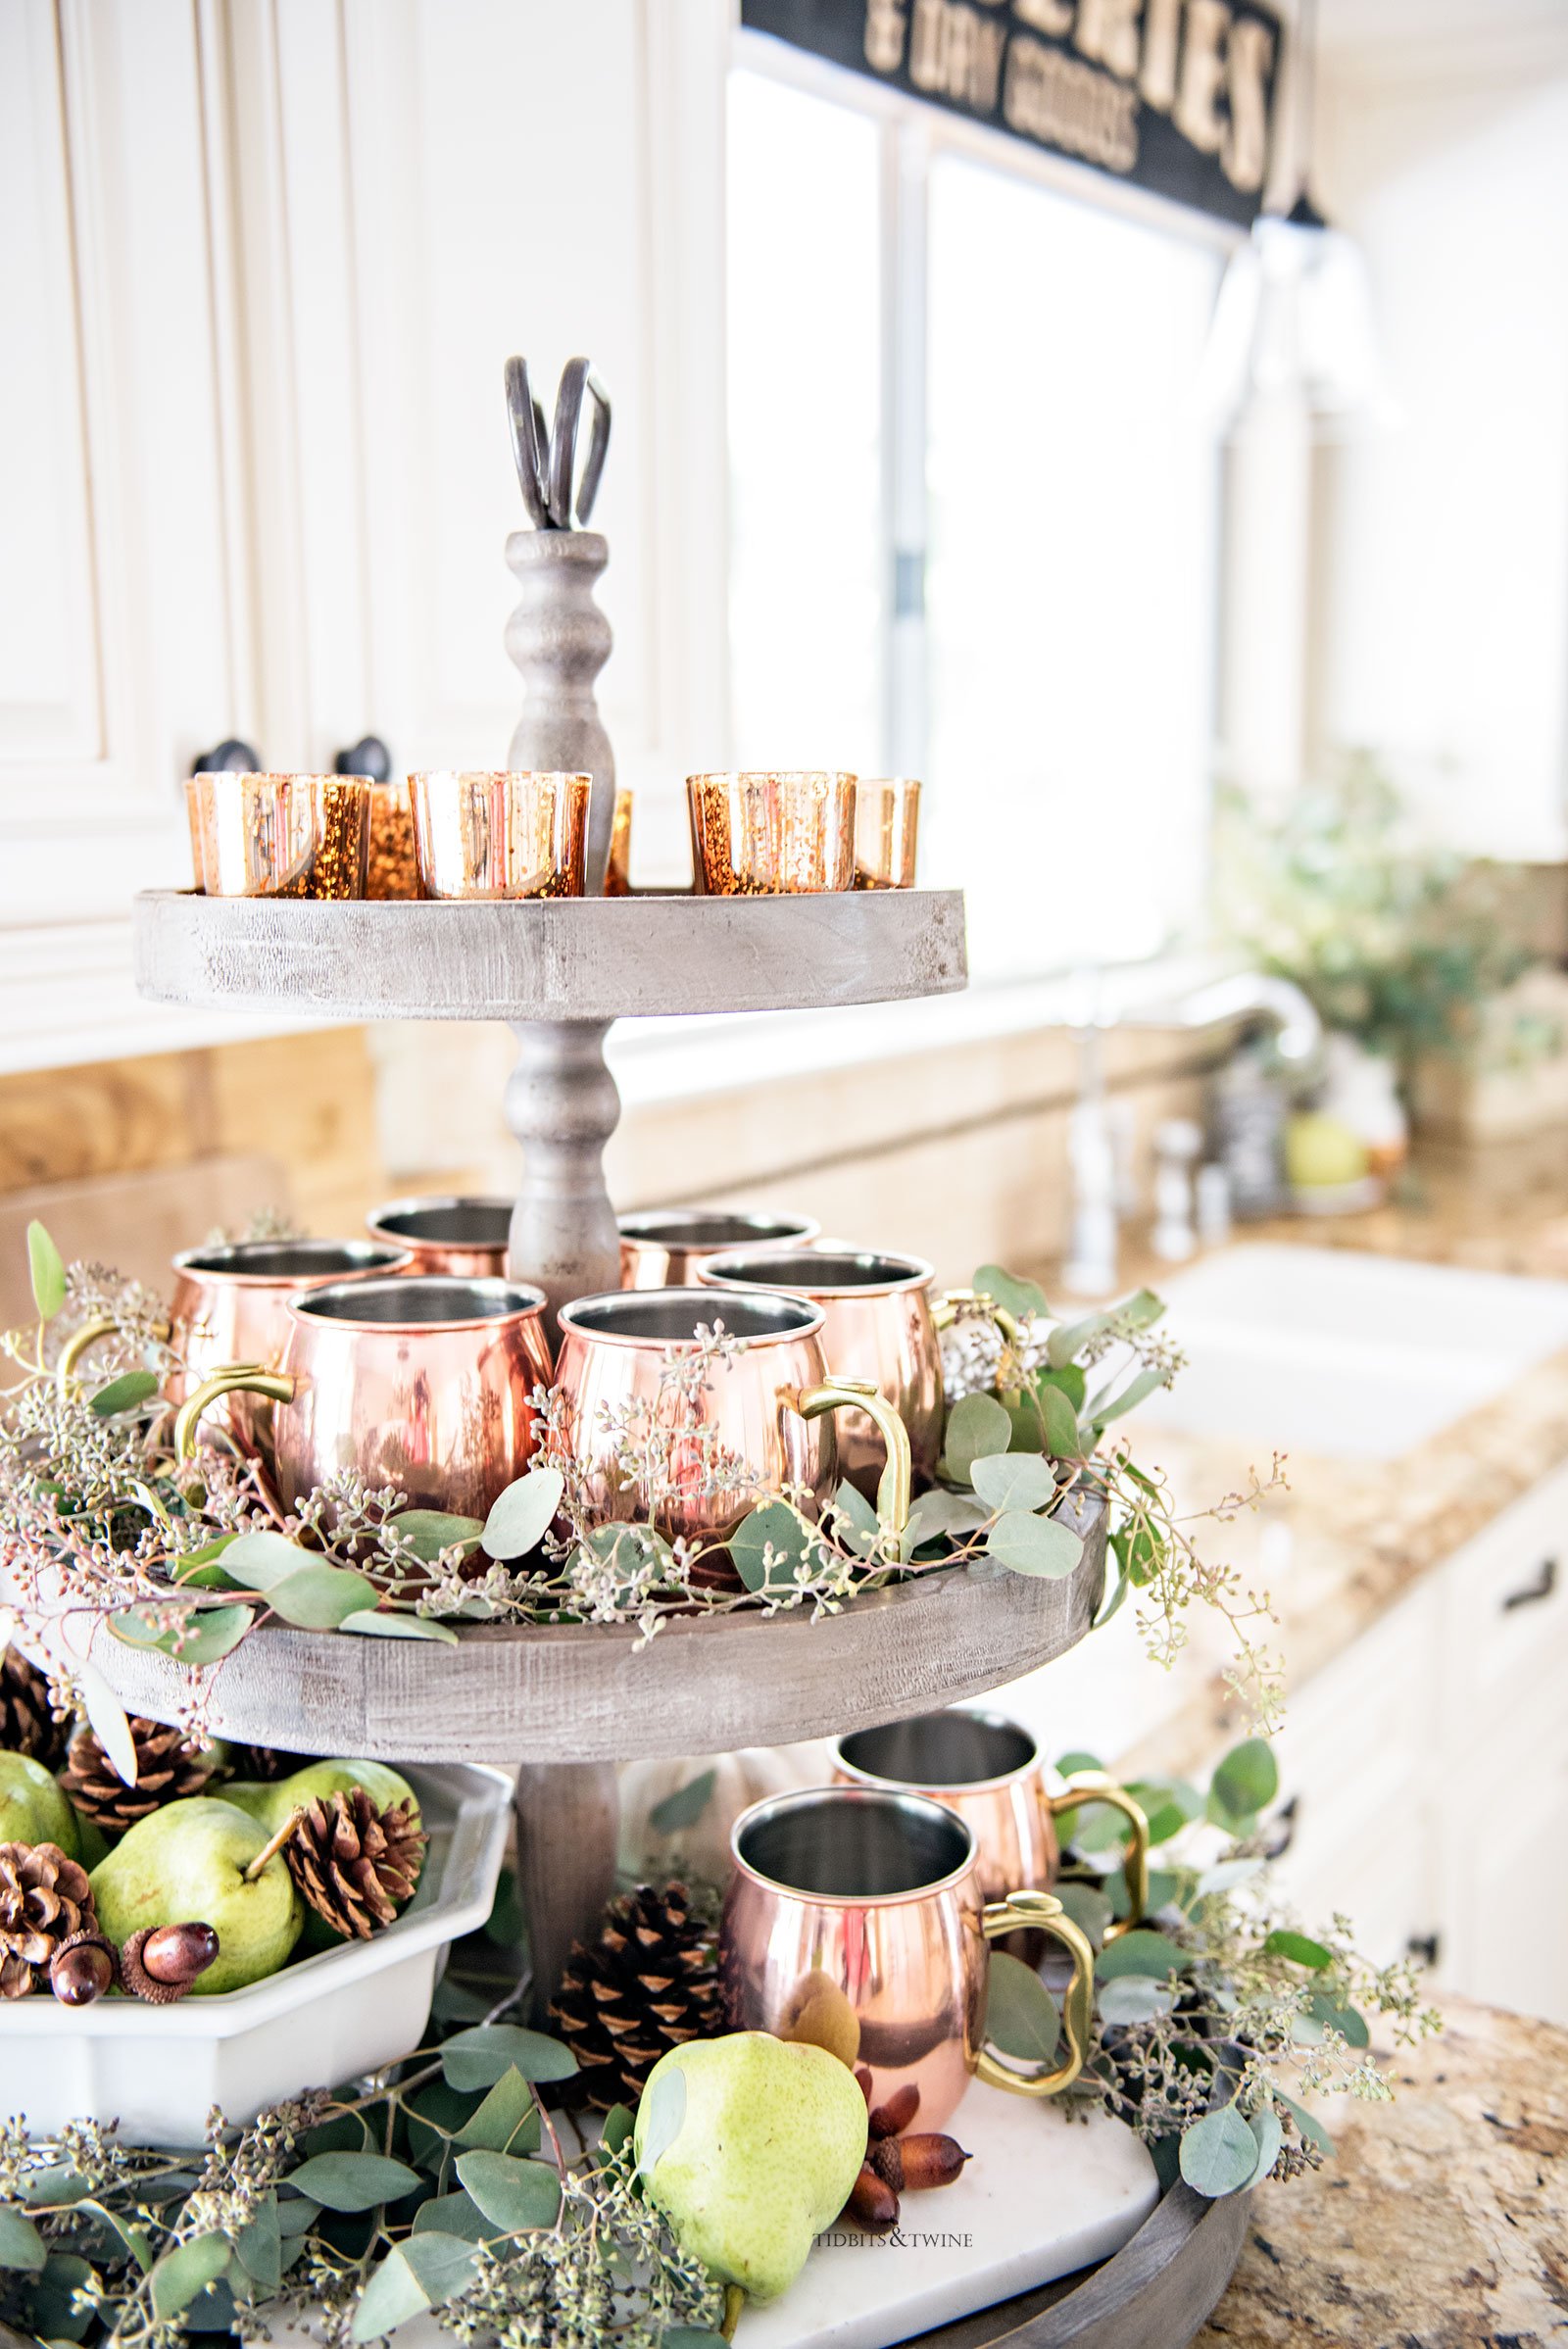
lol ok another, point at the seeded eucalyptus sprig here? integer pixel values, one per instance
(444, 2188)
(1216, 2016)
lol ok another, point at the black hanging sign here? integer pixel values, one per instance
(1175, 94)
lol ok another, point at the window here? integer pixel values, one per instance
(916, 330)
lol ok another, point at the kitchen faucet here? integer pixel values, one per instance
(1251, 996)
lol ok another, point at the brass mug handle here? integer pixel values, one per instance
(235, 1378)
(77, 1345)
(945, 1312)
(895, 1485)
(1043, 1912)
(1093, 1786)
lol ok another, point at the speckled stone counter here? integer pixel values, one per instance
(1443, 2223)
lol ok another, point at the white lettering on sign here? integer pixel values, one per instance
(956, 52)
(1072, 106)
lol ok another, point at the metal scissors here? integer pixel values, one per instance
(558, 497)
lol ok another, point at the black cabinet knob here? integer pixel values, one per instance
(369, 756)
(230, 757)
(1425, 1949)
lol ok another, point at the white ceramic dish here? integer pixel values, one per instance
(159, 2070)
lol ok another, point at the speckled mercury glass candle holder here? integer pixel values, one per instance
(772, 834)
(518, 835)
(393, 871)
(286, 836)
(887, 824)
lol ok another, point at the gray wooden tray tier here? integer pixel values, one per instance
(550, 958)
(1153, 2294)
(593, 1694)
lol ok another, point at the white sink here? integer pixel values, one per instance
(1356, 1356)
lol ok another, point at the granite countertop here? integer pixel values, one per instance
(1442, 2224)
(1348, 1539)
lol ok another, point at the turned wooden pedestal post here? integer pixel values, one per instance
(563, 1107)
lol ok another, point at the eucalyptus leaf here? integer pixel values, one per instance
(1322, 2015)
(1061, 1423)
(1040, 1545)
(505, 2121)
(1023, 1300)
(47, 1267)
(977, 1427)
(182, 2273)
(1022, 2019)
(201, 1638)
(685, 1806)
(454, 2214)
(1269, 2135)
(1135, 1998)
(201, 1570)
(353, 2182)
(857, 1521)
(1068, 1336)
(256, 1561)
(523, 1513)
(431, 1531)
(513, 2195)
(1225, 1876)
(124, 1393)
(106, 1717)
(691, 2336)
(477, 2059)
(1014, 1480)
(258, 2246)
(774, 1528)
(387, 1623)
(319, 1598)
(1088, 1907)
(620, 2122)
(1246, 1782)
(55, 2317)
(423, 2272)
(662, 2112)
(21, 2244)
(1219, 2153)
(1119, 1591)
(1297, 1947)
(1142, 1952)
(939, 1516)
(59, 2185)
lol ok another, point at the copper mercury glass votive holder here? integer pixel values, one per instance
(768, 834)
(887, 826)
(393, 871)
(289, 836)
(501, 835)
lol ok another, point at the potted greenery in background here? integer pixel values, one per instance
(1416, 959)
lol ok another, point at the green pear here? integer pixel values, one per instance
(32, 1809)
(750, 2145)
(188, 1862)
(273, 1801)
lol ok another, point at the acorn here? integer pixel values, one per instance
(161, 1962)
(872, 2203)
(888, 2119)
(82, 1968)
(912, 2164)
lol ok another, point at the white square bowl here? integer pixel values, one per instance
(159, 2070)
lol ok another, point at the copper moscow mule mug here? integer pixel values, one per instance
(874, 1900)
(423, 1382)
(989, 1771)
(463, 1236)
(665, 1248)
(877, 1326)
(711, 1450)
(230, 1304)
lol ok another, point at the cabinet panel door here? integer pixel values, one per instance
(1506, 1594)
(1356, 1753)
(1507, 1928)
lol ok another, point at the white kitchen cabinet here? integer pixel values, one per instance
(262, 263)
(1428, 1766)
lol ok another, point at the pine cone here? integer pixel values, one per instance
(356, 1865)
(27, 1719)
(168, 1769)
(44, 1900)
(260, 1764)
(648, 1983)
